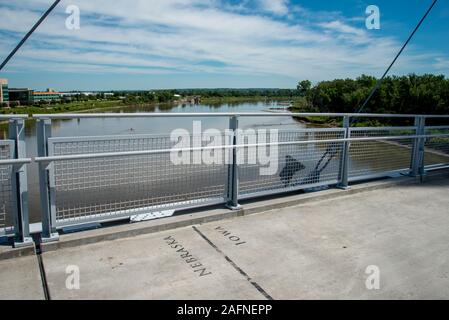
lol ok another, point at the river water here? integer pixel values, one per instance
(124, 126)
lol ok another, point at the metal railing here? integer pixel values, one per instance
(105, 178)
(13, 182)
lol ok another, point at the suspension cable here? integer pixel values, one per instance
(25, 38)
(379, 82)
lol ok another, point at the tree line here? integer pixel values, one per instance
(162, 96)
(411, 94)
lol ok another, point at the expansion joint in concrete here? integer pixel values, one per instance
(235, 266)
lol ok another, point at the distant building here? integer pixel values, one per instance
(26, 96)
(22, 95)
(47, 96)
(193, 100)
(70, 94)
(4, 91)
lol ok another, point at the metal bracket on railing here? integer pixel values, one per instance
(49, 232)
(233, 169)
(344, 161)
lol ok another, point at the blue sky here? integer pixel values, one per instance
(155, 44)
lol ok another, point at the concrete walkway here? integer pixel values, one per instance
(318, 250)
(20, 279)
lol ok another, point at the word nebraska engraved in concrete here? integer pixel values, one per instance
(192, 261)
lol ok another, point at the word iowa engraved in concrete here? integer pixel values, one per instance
(231, 237)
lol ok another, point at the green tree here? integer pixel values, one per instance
(304, 88)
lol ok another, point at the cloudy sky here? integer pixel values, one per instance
(145, 44)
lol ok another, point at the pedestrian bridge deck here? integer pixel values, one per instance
(315, 250)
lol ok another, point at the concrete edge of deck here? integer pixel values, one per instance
(7, 252)
(214, 214)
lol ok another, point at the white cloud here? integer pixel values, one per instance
(196, 36)
(341, 27)
(441, 64)
(277, 7)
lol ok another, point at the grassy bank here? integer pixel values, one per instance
(299, 107)
(65, 107)
(338, 121)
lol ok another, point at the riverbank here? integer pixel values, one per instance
(333, 122)
(338, 121)
(64, 107)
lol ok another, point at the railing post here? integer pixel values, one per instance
(417, 161)
(233, 168)
(344, 161)
(49, 232)
(19, 186)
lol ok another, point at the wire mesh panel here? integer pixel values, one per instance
(290, 166)
(105, 188)
(380, 157)
(437, 148)
(6, 171)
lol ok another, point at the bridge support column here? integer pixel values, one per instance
(49, 232)
(417, 161)
(344, 160)
(233, 169)
(19, 186)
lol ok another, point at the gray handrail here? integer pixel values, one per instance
(159, 151)
(13, 116)
(15, 161)
(225, 114)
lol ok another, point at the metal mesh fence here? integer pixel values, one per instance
(104, 188)
(437, 148)
(112, 186)
(294, 164)
(5, 186)
(369, 158)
